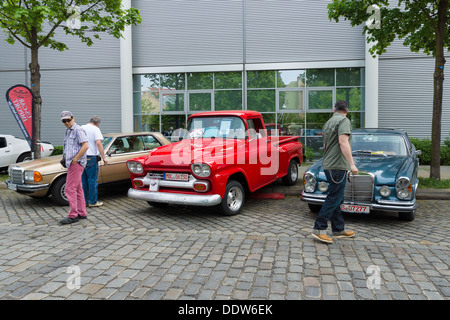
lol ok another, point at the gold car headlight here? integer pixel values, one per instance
(32, 176)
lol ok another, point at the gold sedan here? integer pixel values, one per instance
(46, 176)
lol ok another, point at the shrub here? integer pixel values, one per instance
(57, 150)
(308, 153)
(425, 146)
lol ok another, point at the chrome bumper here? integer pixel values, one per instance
(175, 198)
(381, 205)
(26, 188)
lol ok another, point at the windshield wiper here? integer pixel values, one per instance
(361, 151)
(369, 152)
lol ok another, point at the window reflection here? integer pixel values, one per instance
(291, 79)
(294, 102)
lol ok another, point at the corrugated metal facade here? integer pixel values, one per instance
(406, 92)
(284, 30)
(174, 33)
(84, 80)
(212, 33)
(208, 32)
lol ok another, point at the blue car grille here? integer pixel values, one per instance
(359, 189)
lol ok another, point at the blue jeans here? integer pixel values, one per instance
(331, 209)
(90, 178)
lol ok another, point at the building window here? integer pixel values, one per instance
(294, 102)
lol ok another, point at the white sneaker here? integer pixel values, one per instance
(97, 204)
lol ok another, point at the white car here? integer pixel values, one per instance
(14, 150)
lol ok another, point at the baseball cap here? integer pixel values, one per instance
(66, 115)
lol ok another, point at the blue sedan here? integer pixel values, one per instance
(388, 164)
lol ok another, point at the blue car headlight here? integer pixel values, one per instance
(309, 182)
(403, 188)
(385, 191)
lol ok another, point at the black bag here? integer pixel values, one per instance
(63, 162)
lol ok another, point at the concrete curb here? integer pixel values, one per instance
(422, 194)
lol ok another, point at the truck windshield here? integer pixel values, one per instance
(216, 127)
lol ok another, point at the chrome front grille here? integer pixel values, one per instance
(359, 189)
(17, 175)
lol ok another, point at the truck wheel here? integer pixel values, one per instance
(292, 174)
(58, 192)
(407, 216)
(234, 198)
(158, 204)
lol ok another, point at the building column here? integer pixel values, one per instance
(126, 75)
(371, 88)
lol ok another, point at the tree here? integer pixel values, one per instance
(34, 23)
(422, 25)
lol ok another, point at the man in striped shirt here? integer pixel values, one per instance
(74, 152)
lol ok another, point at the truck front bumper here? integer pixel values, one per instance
(175, 198)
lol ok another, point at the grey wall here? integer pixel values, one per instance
(204, 32)
(406, 92)
(84, 80)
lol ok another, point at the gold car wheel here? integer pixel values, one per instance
(58, 192)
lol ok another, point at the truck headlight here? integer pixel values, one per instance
(201, 170)
(135, 167)
(403, 188)
(309, 182)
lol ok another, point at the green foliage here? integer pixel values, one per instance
(308, 153)
(57, 150)
(414, 22)
(28, 21)
(424, 145)
(431, 183)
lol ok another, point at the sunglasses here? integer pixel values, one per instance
(66, 120)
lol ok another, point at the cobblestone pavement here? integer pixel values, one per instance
(129, 250)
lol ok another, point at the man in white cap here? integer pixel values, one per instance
(74, 153)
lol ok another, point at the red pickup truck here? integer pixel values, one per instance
(223, 155)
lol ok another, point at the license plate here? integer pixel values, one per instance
(355, 208)
(154, 185)
(176, 176)
(12, 186)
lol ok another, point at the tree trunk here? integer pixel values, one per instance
(36, 89)
(435, 168)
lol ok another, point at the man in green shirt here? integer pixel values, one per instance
(337, 161)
